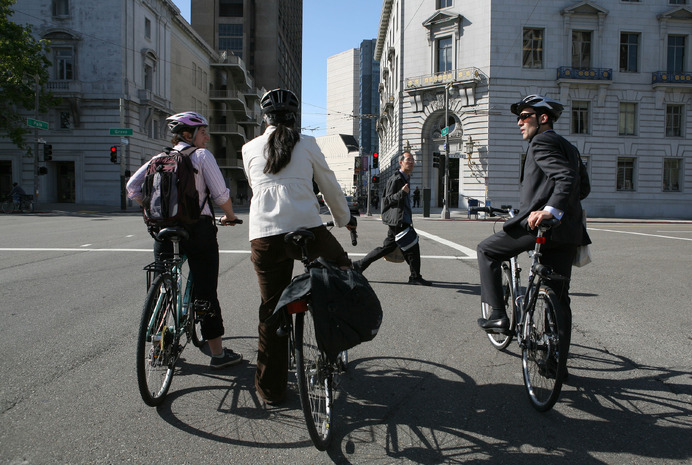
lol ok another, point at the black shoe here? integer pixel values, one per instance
(494, 326)
(419, 281)
(229, 358)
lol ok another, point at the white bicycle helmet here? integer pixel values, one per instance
(187, 120)
(279, 100)
(539, 103)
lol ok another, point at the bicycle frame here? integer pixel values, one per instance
(182, 306)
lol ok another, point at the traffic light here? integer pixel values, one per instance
(114, 154)
(436, 159)
(375, 160)
(47, 152)
(375, 179)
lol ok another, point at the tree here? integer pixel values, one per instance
(24, 63)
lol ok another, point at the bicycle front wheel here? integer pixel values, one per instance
(544, 355)
(315, 382)
(501, 340)
(156, 344)
(8, 206)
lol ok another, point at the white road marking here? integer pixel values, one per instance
(641, 234)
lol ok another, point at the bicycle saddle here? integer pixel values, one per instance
(299, 237)
(174, 233)
(547, 224)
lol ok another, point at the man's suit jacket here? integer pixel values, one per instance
(553, 175)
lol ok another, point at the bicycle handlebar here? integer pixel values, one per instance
(228, 223)
(354, 234)
(491, 210)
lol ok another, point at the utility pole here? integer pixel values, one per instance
(36, 80)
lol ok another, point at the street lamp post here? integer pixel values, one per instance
(445, 198)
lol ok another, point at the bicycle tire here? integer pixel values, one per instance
(315, 382)
(8, 206)
(156, 353)
(501, 340)
(544, 357)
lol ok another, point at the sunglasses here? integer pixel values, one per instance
(525, 116)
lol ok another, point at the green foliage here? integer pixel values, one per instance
(23, 59)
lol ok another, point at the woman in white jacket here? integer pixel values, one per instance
(280, 166)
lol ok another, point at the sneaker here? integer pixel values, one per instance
(229, 358)
(419, 281)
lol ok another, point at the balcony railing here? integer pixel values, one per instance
(662, 77)
(60, 87)
(455, 75)
(586, 74)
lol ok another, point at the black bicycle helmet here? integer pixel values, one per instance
(279, 100)
(541, 104)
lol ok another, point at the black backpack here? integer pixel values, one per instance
(170, 194)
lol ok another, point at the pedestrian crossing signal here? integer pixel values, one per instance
(375, 179)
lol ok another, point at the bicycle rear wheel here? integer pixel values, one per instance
(315, 382)
(501, 340)
(156, 342)
(544, 355)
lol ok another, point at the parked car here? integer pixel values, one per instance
(352, 205)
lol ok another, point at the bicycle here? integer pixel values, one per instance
(26, 203)
(168, 314)
(317, 375)
(535, 320)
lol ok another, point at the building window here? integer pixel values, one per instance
(231, 38)
(532, 56)
(580, 117)
(629, 52)
(147, 28)
(630, 1)
(671, 175)
(61, 8)
(444, 55)
(628, 119)
(674, 120)
(676, 54)
(231, 8)
(581, 49)
(148, 77)
(64, 64)
(625, 181)
(677, 2)
(444, 4)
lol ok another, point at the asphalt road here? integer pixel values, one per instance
(428, 389)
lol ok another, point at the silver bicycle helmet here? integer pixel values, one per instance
(539, 103)
(187, 120)
(279, 100)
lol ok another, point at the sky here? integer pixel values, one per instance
(329, 27)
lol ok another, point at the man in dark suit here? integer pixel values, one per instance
(397, 214)
(553, 181)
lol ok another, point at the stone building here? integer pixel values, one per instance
(450, 69)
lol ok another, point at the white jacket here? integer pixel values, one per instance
(285, 201)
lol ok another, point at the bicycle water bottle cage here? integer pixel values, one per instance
(174, 233)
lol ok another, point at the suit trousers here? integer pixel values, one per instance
(202, 251)
(273, 261)
(501, 246)
(412, 255)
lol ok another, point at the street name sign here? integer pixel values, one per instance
(445, 131)
(120, 132)
(34, 123)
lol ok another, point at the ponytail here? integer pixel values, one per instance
(281, 142)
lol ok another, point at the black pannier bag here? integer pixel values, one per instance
(345, 308)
